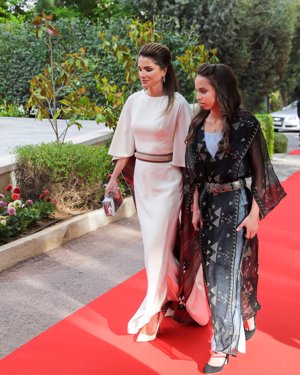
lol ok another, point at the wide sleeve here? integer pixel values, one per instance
(194, 175)
(123, 144)
(183, 121)
(265, 187)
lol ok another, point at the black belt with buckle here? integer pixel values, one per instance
(215, 188)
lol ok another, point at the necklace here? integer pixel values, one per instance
(213, 126)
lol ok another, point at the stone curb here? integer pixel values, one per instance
(59, 234)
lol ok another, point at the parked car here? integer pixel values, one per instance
(287, 118)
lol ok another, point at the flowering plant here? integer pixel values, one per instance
(16, 214)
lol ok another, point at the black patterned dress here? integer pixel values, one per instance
(229, 260)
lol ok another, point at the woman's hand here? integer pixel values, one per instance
(112, 185)
(251, 224)
(251, 221)
(197, 218)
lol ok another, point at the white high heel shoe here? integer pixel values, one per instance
(143, 337)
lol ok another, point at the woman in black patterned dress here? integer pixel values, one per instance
(225, 146)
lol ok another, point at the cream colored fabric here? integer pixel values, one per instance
(158, 191)
(143, 126)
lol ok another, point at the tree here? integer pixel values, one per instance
(102, 10)
(252, 36)
(290, 88)
(272, 23)
(185, 11)
(125, 53)
(56, 92)
(15, 9)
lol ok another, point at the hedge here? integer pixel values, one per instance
(73, 174)
(266, 122)
(23, 55)
(280, 143)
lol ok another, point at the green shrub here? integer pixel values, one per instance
(266, 122)
(73, 174)
(12, 110)
(280, 143)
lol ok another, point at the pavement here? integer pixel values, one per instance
(41, 291)
(21, 131)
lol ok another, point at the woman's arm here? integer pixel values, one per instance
(197, 218)
(112, 183)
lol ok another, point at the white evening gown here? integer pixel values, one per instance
(143, 126)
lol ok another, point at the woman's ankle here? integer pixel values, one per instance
(250, 323)
(151, 327)
(217, 359)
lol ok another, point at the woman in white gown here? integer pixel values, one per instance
(153, 126)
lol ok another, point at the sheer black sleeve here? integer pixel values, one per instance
(193, 175)
(265, 187)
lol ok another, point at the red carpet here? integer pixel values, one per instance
(294, 152)
(93, 341)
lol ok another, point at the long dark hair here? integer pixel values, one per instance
(229, 100)
(161, 55)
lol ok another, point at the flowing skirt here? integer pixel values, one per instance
(231, 269)
(158, 194)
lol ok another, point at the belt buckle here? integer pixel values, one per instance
(215, 188)
(236, 184)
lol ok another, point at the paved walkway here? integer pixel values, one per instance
(21, 131)
(41, 291)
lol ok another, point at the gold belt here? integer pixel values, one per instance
(164, 158)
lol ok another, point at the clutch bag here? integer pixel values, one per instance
(112, 202)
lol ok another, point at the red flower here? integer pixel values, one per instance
(45, 192)
(42, 196)
(48, 199)
(15, 196)
(8, 188)
(17, 190)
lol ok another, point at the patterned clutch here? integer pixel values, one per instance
(112, 201)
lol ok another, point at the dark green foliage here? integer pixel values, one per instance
(68, 8)
(21, 57)
(272, 24)
(73, 174)
(266, 122)
(290, 88)
(184, 11)
(280, 143)
(253, 37)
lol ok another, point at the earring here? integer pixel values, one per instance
(163, 78)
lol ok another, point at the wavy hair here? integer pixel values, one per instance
(161, 55)
(228, 97)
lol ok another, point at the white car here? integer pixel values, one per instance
(287, 118)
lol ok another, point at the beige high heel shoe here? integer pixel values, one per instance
(143, 337)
